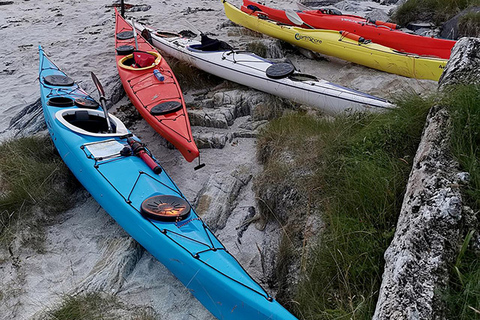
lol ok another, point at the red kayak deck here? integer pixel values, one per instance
(160, 103)
(376, 31)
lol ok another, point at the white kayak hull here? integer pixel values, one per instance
(248, 69)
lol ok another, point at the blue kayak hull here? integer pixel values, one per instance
(120, 183)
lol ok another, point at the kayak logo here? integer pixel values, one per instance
(299, 37)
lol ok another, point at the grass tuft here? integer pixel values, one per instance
(463, 295)
(97, 306)
(32, 180)
(353, 170)
(190, 77)
(469, 25)
(437, 11)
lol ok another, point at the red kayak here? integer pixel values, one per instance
(153, 89)
(380, 32)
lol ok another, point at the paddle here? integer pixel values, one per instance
(295, 19)
(102, 100)
(135, 34)
(122, 8)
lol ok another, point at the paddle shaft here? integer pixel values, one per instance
(135, 34)
(103, 100)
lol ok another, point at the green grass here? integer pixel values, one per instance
(97, 306)
(463, 296)
(469, 25)
(190, 77)
(34, 186)
(353, 171)
(437, 11)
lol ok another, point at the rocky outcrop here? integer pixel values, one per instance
(217, 199)
(218, 117)
(464, 64)
(28, 121)
(431, 219)
(451, 28)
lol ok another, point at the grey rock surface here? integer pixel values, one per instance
(431, 220)
(464, 63)
(450, 28)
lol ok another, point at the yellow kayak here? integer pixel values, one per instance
(332, 43)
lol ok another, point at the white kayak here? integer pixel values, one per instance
(248, 69)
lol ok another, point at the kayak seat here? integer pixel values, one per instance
(210, 44)
(91, 123)
(165, 108)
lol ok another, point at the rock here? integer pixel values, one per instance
(429, 228)
(464, 63)
(450, 29)
(142, 7)
(215, 140)
(319, 4)
(217, 198)
(28, 121)
(120, 256)
(417, 260)
(377, 14)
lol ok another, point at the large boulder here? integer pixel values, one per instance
(430, 226)
(453, 29)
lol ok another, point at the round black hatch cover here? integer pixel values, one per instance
(60, 102)
(165, 208)
(125, 50)
(166, 107)
(58, 80)
(125, 35)
(86, 103)
(280, 70)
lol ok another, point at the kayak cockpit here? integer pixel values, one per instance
(90, 122)
(210, 44)
(147, 61)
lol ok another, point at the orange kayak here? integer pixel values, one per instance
(153, 89)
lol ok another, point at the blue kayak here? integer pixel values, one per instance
(125, 179)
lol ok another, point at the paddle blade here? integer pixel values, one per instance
(293, 17)
(98, 85)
